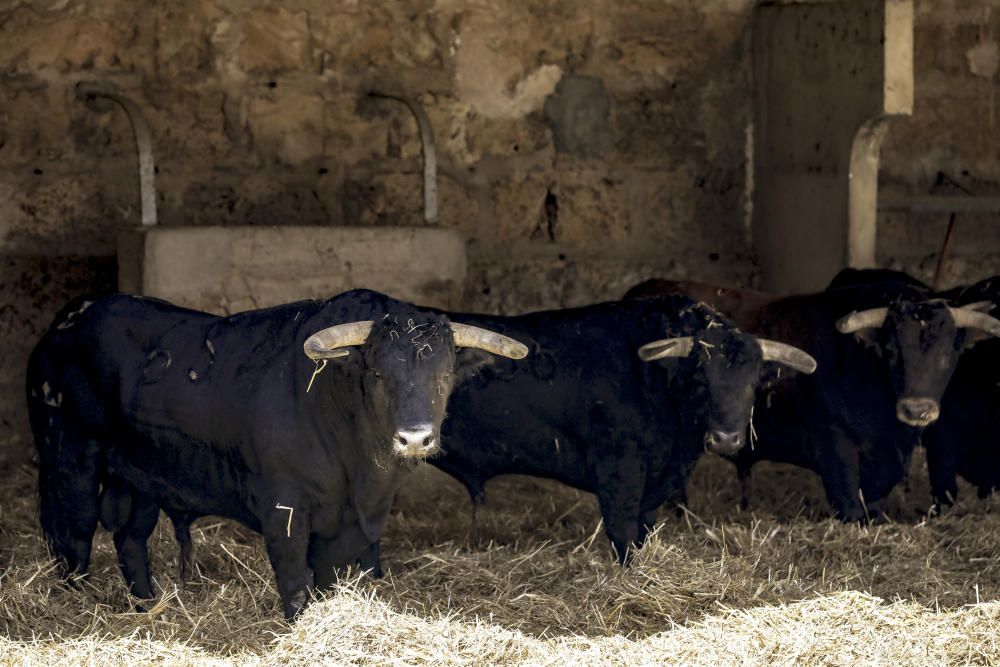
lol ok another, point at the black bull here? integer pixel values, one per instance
(586, 410)
(886, 348)
(964, 440)
(136, 404)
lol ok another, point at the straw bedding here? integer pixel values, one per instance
(537, 585)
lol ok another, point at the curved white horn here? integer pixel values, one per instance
(327, 343)
(967, 317)
(981, 306)
(467, 335)
(788, 355)
(872, 318)
(667, 347)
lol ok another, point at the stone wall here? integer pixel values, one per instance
(583, 145)
(951, 145)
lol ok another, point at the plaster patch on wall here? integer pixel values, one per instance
(984, 59)
(483, 75)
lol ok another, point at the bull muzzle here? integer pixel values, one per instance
(918, 411)
(724, 443)
(416, 442)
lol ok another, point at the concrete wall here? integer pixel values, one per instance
(827, 79)
(583, 145)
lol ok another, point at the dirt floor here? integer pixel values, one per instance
(538, 585)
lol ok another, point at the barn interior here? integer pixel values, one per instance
(233, 155)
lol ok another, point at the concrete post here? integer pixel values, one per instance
(828, 77)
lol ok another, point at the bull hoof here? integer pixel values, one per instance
(72, 581)
(295, 605)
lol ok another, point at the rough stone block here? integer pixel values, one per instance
(264, 40)
(64, 44)
(591, 207)
(288, 126)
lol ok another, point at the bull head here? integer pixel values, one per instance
(926, 345)
(409, 370)
(732, 371)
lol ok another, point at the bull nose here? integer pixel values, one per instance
(917, 411)
(416, 441)
(724, 443)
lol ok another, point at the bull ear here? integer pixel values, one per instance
(667, 347)
(966, 317)
(873, 318)
(787, 355)
(483, 339)
(329, 343)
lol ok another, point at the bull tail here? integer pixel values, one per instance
(69, 472)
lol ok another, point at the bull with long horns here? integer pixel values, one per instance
(299, 421)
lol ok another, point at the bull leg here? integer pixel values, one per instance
(743, 471)
(621, 482)
(371, 560)
(182, 533)
(130, 542)
(647, 520)
(286, 537)
(69, 501)
(942, 469)
(620, 513)
(477, 495)
(331, 556)
(676, 499)
(840, 469)
(877, 509)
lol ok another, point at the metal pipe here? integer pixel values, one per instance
(87, 91)
(428, 150)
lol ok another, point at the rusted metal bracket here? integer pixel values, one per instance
(428, 150)
(88, 91)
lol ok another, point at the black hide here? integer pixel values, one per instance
(583, 409)
(842, 422)
(964, 440)
(137, 405)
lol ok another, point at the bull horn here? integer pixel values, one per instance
(467, 335)
(667, 347)
(328, 343)
(966, 316)
(981, 306)
(788, 355)
(872, 318)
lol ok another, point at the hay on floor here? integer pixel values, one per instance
(780, 583)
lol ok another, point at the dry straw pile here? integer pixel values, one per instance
(779, 584)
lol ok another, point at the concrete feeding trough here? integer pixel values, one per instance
(226, 269)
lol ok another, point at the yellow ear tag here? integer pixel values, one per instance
(319, 369)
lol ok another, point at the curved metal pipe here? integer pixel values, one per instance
(88, 90)
(428, 150)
